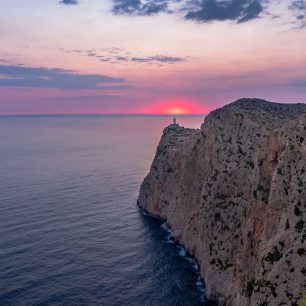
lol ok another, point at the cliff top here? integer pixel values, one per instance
(268, 114)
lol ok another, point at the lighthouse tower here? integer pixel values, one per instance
(174, 121)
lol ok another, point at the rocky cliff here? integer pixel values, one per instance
(234, 194)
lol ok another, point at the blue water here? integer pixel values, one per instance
(70, 230)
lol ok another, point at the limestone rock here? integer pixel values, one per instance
(234, 194)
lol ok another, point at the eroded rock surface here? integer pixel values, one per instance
(234, 194)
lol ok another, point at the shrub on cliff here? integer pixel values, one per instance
(303, 301)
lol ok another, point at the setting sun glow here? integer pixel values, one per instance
(175, 107)
(177, 111)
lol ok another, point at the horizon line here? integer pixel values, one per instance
(105, 114)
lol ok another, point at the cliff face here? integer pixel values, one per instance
(234, 194)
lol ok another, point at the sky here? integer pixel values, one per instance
(149, 56)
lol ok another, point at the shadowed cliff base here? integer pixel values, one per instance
(234, 194)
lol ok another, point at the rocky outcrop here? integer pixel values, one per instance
(234, 194)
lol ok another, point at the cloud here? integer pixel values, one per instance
(299, 9)
(237, 10)
(138, 7)
(69, 2)
(204, 11)
(4, 61)
(115, 56)
(298, 5)
(198, 10)
(20, 76)
(298, 83)
(158, 58)
(108, 56)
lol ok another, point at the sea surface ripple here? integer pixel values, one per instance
(71, 232)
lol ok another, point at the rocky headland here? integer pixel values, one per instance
(234, 194)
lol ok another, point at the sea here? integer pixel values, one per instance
(71, 232)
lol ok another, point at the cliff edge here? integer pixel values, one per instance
(234, 194)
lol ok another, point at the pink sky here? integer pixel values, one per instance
(88, 58)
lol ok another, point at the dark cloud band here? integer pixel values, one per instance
(69, 2)
(237, 10)
(137, 7)
(19, 76)
(198, 10)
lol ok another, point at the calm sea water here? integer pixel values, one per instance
(70, 230)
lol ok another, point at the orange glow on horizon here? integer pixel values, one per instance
(175, 107)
